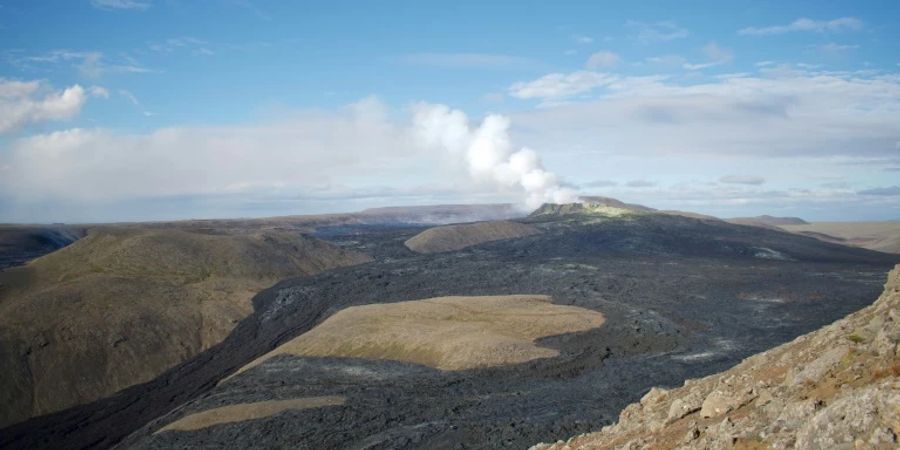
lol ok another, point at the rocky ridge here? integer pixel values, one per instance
(603, 206)
(836, 387)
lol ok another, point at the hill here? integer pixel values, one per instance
(122, 305)
(591, 206)
(766, 220)
(681, 298)
(837, 387)
(880, 236)
(456, 237)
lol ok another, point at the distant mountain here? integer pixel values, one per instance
(880, 236)
(766, 220)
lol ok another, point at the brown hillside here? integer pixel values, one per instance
(120, 306)
(838, 387)
(448, 333)
(880, 236)
(456, 237)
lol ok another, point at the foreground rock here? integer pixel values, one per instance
(456, 237)
(120, 306)
(837, 387)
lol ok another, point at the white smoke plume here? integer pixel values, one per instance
(488, 153)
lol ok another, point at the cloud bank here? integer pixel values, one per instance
(489, 155)
(807, 25)
(27, 102)
(313, 155)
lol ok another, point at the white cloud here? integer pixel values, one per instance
(663, 31)
(98, 92)
(584, 40)
(602, 60)
(557, 86)
(751, 180)
(889, 191)
(488, 153)
(640, 184)
(349, 153)
(468, 60)
(716, 55)
(197, 47)
(91, 64)
(311, 149)
(835, 48)
(121, 4)
(666, 60)
(807, 25)
(128, 95)
(775, 113)
(343, 155)
(28, 102)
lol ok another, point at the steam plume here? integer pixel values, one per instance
(489, 154)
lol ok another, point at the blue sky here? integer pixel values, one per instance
(140, 109)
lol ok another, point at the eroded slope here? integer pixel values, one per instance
(455, 237)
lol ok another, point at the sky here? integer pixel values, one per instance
(126, 110)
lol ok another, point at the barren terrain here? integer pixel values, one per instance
(681, 298)
(837, 387)
(881, 236)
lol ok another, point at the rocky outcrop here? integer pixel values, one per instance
(837, 387)
(603, 206)
(456, 237)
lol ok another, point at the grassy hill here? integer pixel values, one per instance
(122, 305)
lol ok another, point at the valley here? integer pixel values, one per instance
(679, 297)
